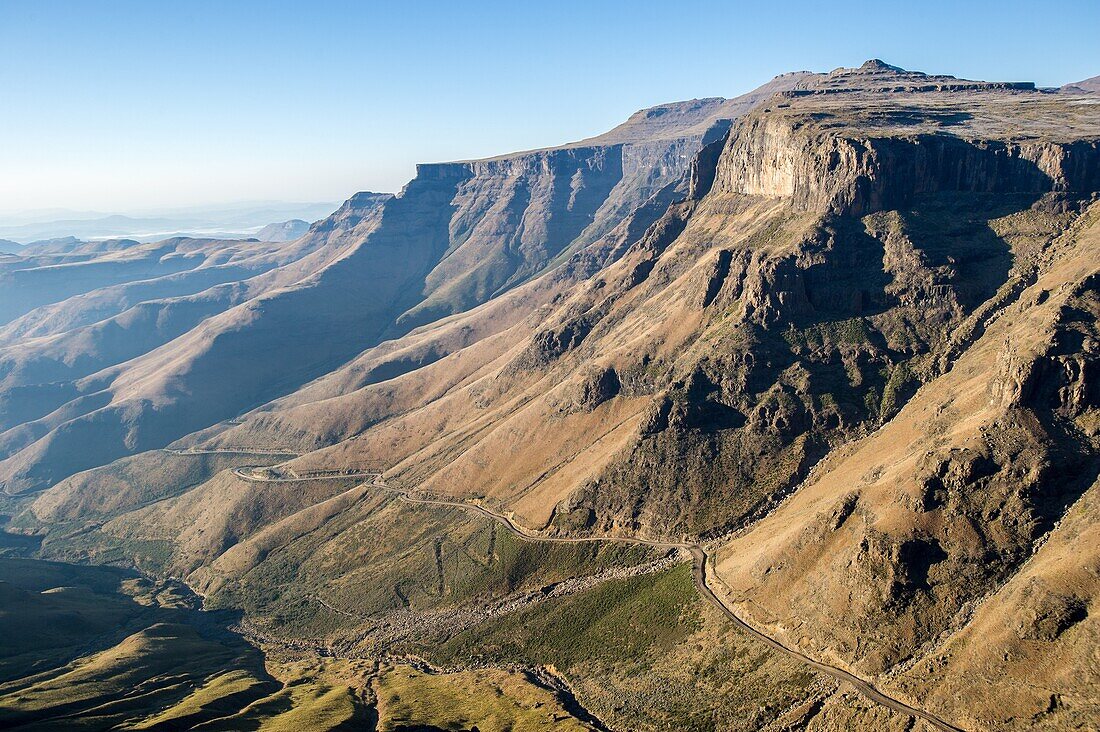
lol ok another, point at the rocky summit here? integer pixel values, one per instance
(768, 413)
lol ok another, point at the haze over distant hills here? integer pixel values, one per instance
(283, 231)
(771, 413)
(226, 221)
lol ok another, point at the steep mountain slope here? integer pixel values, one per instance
(852, 347)
(778, 311)
(897, 536)
(458, 235)
(46, 352)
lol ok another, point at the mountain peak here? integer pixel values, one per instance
(877, 64)
(878, 77)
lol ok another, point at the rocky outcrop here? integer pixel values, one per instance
(876, 76)
(821, 170)
(511, 217)
(1085, 86)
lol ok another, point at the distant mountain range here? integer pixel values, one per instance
(283, 231)
(237, 221)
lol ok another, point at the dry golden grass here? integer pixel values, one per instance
(490, 699)
(795, 572)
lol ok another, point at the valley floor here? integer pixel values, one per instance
(608, 653)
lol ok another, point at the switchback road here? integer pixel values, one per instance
(700, 559)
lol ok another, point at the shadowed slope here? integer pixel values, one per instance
(458, 235)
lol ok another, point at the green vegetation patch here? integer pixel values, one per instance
(95, 647)
(850, 332)
(644, 653)
(900, 384)
(378, 558)
(619, 621)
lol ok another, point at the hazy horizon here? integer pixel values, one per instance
(149, 107)
(239, 219)
(773, 406)
(54, 212)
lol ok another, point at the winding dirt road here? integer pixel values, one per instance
(699, 556)
(244, 474)
(231, 451)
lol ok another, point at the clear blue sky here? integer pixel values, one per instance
(125, 105)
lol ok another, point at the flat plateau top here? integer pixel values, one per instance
(882, 101)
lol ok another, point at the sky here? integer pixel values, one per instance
(129, 106)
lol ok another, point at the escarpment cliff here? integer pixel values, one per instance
(857, 141)
(694, 377)
(513, 216)
(458, 235)
(824, 169)
(845, 332)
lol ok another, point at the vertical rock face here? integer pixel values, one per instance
(831, 253)
(511, 217)
(515, 214)
(822, 170)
